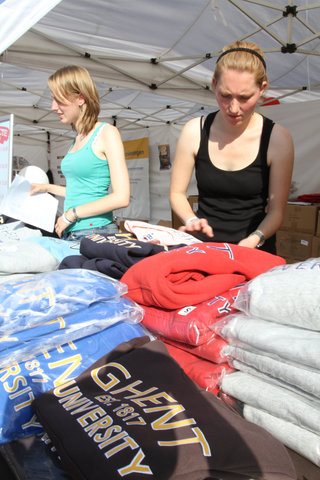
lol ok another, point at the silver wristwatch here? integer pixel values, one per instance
(261, 236)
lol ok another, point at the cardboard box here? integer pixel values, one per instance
(315, 253)
(176, 222)
(300, 218)
(165, 223)
(294, 245)
(292, 260)
(318, 225)
(122, 228)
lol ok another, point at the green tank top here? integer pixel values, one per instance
(87, 179)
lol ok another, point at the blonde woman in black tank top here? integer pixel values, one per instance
(243, 162)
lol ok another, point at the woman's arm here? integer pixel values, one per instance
(182, 169)
(280, 159)
(58, 190)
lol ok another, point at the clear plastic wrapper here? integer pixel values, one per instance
(31, 459)
(46, 296)
(287, 294)
(58, 247)
(205, 374)
(25, 344)
(22, 382)
(244, 367)
(299, 439)
(273, 399)
(212, 350)
(192, 324)
(292, 375)
(296, 345)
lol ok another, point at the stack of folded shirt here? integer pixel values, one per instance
(185, 291)
(273, 342)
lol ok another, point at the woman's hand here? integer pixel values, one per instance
(250, 242)
(60, 226)
(198, 225)
(38, 188)
(253, 240)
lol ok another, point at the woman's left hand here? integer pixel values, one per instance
(60, 226)
(250, 241)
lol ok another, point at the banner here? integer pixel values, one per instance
(6, 135)
(137, 157)
(17, 16)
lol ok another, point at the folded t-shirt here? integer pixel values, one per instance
(194, 273)
(135, 414)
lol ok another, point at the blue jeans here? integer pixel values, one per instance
(109, 229)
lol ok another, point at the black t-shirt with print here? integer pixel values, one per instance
(134, 414)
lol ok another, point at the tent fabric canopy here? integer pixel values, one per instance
(153, 61)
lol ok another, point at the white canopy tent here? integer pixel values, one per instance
(153, 62)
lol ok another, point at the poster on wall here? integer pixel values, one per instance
(164, 157)
(6, 136)
(137, 157)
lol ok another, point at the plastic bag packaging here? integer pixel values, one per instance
(22, 382)
(205, 374)
(273, 399)
(297, 345)
(279, 341)
(30, 459)
(192, 324)
(27, 343)
(298, 439)
(243, 367)
(302, 378)
(286, 294)
(212, 350)
(58, 247)
(46, 296)
(231, 402)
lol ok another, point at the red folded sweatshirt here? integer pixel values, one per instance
(193, 273)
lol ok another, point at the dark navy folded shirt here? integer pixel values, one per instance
(112, 254)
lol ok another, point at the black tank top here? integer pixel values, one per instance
(233, 202)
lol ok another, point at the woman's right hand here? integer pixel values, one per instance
(198, 225)
(38, 188)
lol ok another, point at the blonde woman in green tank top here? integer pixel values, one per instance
(94, 161)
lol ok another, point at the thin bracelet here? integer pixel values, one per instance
(74, 211)
(64, 218)
(191, 220)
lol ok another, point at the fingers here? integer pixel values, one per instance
(60, 226)
(38, 188)
(33, 190)
(208, 231)
(198, 225)
(58, 230)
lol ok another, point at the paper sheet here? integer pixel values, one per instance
(38, 210)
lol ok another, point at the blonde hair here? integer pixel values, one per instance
(249, 59)
(67, 83)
